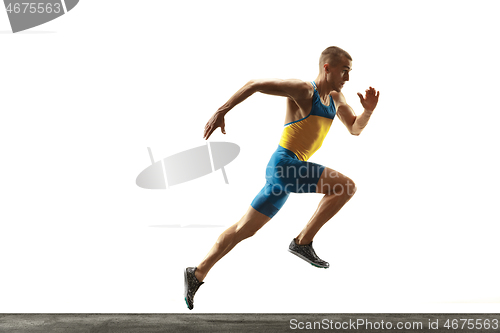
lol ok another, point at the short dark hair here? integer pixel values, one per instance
(332, 55)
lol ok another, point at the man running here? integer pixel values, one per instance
(311, 107)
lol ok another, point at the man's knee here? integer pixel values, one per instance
(249, 225)
(246, 230)
(346, 187)
(351, 187)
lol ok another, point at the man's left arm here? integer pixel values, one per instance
(355, 124)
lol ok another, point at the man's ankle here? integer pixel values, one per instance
(198, 275)
(300, 241)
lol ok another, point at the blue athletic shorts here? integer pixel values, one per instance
(285, 174)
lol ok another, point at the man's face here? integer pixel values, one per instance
(338, 74)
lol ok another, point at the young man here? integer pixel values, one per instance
(311, 107)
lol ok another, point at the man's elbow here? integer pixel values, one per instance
(253, 86)
(250, 83)
(356, 133)
(356, 130)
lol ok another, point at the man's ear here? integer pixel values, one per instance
(327, 68)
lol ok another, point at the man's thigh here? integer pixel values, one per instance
(296, 176)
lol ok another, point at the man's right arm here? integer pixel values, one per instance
(292, 88)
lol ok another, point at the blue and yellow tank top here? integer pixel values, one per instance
(305, 136)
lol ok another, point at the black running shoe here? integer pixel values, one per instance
(191, 285)
(307, 253)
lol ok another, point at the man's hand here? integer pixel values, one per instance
(370, 100)
(217, 120)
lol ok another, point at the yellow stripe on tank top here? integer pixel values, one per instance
(305, 137)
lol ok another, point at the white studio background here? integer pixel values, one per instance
(83, 96)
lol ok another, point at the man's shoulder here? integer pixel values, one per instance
(338, 98)
(303, 89)
(301, 83)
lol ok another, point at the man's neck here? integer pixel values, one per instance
(322, 88)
